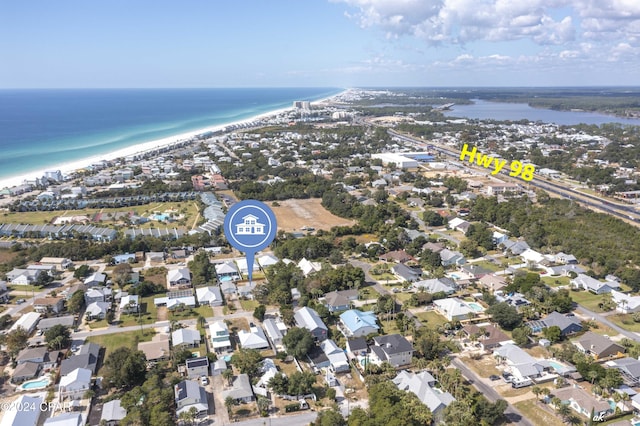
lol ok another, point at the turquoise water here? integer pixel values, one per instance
(161, 217)
(38, 384)
(556, 366)
(475, 306)
(44, 128)
(226, 278)
(455, 276)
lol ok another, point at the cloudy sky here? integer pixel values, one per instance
(337, 43)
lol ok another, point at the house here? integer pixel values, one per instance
(241, 390)
(23, 276)
(598, 346)
(355, 323)
(397, 256)
(112, 413)
(532, 257)
(253, 339)
(175, 299)
(274, 333)
(209, 295)
(23, 417)
(582, 402)
(228, 288)
(124, 258)
(392, 348)
(129, 304)
(75, 384)
(157, 349)
(624, 303)
(219, 336)
(522, 365)
(517, 300)
(488, 336)
(309, 319)
(197, 367)
(27, 321)
(338, 362)
(459, 225)
(86, 358)
(185, 337)
(60, 263)
(98, 294)
(178, 278)
(155, 256)
(493, 282)
(453, 309)
(436, 285)
(514, 247)
(422, 385)
(97, 310)
(189, 394)
(566, 259)
(591, 284)
(405, 273)
(629, 369)
(449, 257)
(266, 260)
(337, 301)
(268, 370)
(25, 371)
(244, 267)
(567, 324)
(227, 271)
(45, 305)
(95, 279)
(46, 323)
(358, 350)
(498, 238)
(474, 271)
(307, 267)
(565, 270)
(65, 419)
(318, 359)
(219, 366)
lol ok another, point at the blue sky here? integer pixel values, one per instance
(337, 43)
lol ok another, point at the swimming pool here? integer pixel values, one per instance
(557, 366)
(476, 307)
(40, 383)
(455, 276)
(225, 278)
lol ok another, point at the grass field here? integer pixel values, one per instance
(295, 214)
(625, 321)
(557, 281)
(431, 319)
(129, 339)
(484, 367)
(587, 299)
(537, 414)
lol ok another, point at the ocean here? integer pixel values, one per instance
(40, 129)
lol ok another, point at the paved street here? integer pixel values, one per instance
(603, 319)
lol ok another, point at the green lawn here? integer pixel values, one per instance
(431, 319)
(368, 293)
(148, 315)
(129, 339)
(557, 281)
(98, 324)
(194, 313)
(587, 299)
(488, 265)
(389, 326)
(249, 305)
(625, 321)
(384, 277)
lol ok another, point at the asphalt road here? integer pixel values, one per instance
(511, 413)
(603, 319)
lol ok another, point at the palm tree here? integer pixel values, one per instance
(563, 411)
(556, 402)
(202, 321)
(536, 391)
(625, 398)
(263, 404)
(545, 391)
(229, 402)
(592, 375)
(572, 419)
(227, 375)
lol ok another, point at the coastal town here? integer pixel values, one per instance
(409, 279)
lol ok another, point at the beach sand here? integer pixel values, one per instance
(145, 147)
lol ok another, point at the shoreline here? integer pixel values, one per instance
(144, 147)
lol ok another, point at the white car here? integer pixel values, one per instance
(204, 380)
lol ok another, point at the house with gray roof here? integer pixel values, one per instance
(515, 247)
(95, 279)
(46, 323)
(567, 324)
(392, 348)
(598, 346)
(87, 358)
(582, 402)
(406, 273)
(522, 365)
(337, 301)
(189, 394)
(309, 319)
(436, 285)
(241, 389)
(629, 369)
(423, 386)
(593, 285)
(450, 257)
(112, 413)
(97, 310)
(274, 333)
(565, 270)
(185, 337)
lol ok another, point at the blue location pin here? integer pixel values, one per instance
(250, 226)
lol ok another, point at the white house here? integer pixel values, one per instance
(75, 384)
(453, 309)
(189, 394)
(65, 419)
(209, 295)
(219, 336)
(179, 278)
(307, 267)
(129, 303)
(250, 226)
(423, 386)
(595, 286)
(23, 417)
(185, 337)
(625, 303)
(112, 412)
(254, 339)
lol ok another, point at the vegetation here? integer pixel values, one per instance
(58, 337)
(124, 368)
(298, 341)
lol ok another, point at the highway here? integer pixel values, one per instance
(619, 210)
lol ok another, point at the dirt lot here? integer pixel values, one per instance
(292, 215)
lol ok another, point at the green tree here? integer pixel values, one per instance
(125, 368)
(521, 335)
(553, 333)
(329, 418)
(228, 375)
(121, 274)
(76, 302)
(82, 271)
(16, 340)
(301, 383)
(229, 402)
(505, 315)
(298, 341)
(58, 337)
(247, 361)
(259, 311)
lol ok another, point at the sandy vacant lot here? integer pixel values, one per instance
(292, 215)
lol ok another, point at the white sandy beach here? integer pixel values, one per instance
(144, 147)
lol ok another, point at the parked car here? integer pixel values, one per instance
(19, 301)
(204, 380)
(494, 377)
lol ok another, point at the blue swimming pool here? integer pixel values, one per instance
(226, 278)
(475, 306)
(35, 384)
(455, 276)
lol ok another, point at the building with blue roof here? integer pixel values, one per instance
(355, 323)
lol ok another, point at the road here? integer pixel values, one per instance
(511, 413)
(289, 420)
(603, 319)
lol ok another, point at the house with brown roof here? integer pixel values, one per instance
(488, 336)
(582, 402)
(397, 256)
(493, 282)
(157, 349)
(48, 304)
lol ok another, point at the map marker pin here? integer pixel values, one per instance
(250, 226)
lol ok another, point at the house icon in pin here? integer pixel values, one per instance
(250, 226)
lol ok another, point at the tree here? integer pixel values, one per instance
(298, 341)
(76, 302)
(82, 271)
(16, 340)
(229, 402)
(189, 416)
(228, 375)
(58, 337)
(247, 361)
(329, 418)
(505, 315)
(301, 383)
(125, 368)
(553, 333)
(279, 384)
(121, 274)
(432, 218)
(536, 390)
(259, 311)
(521, 335)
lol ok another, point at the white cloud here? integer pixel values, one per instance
(544, 22)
